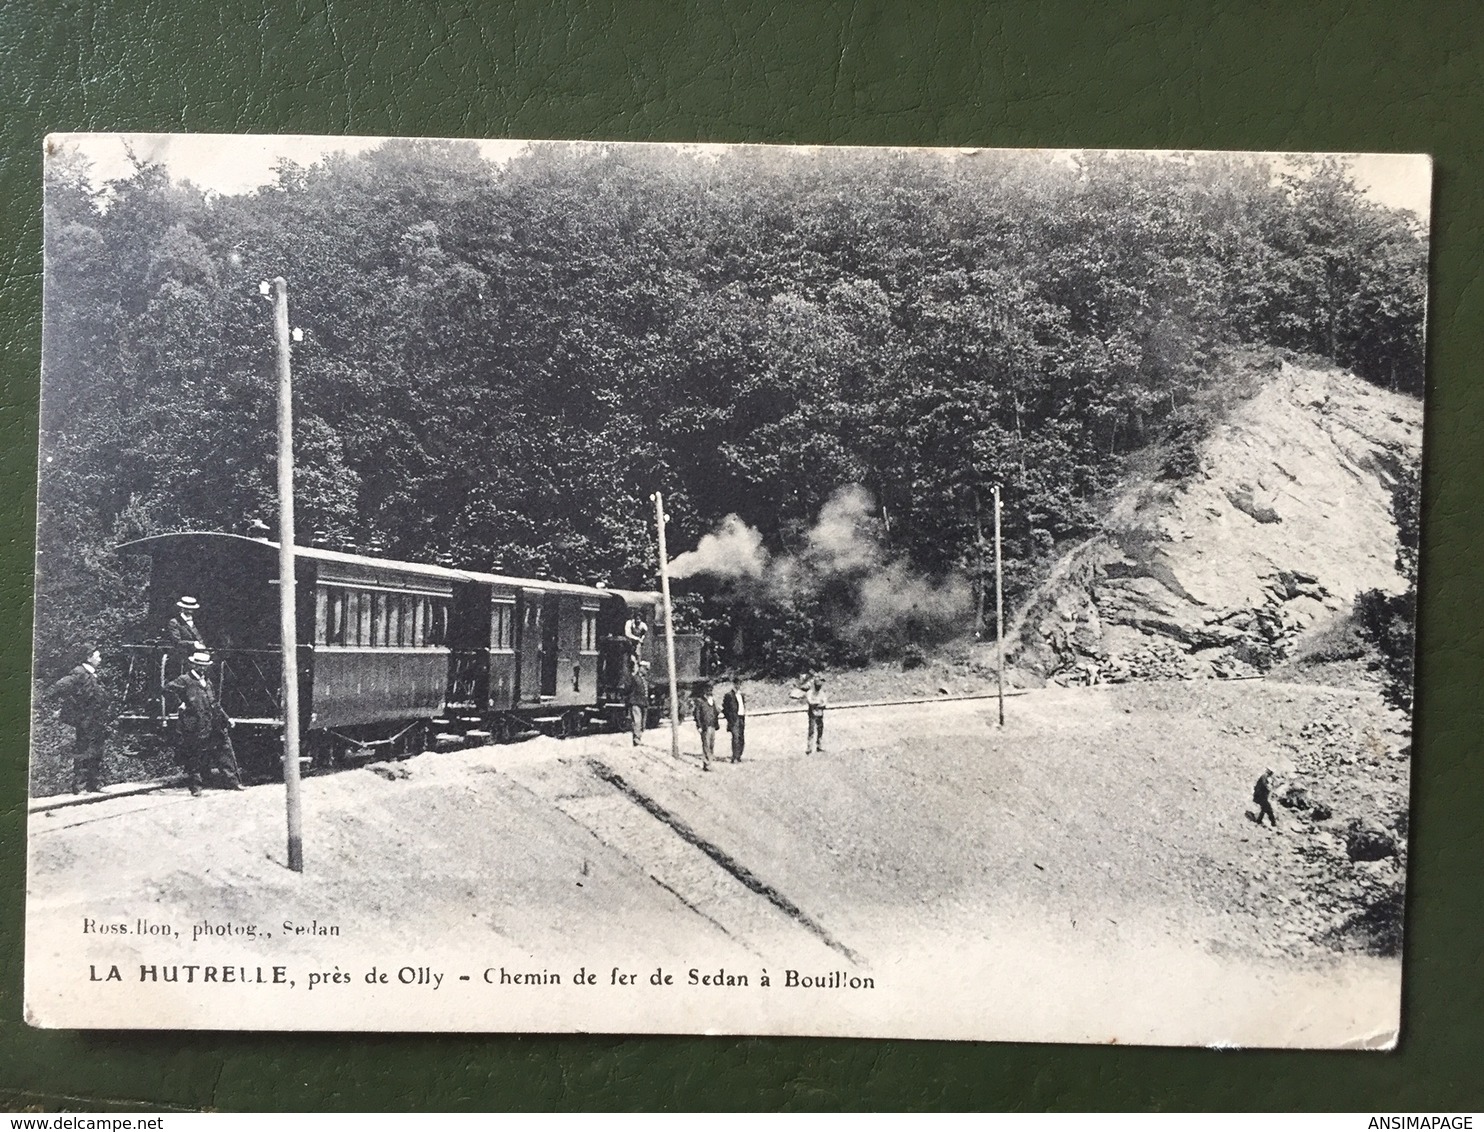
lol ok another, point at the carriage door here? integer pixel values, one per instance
(530, 645)
(550, 622)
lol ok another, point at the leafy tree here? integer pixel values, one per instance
(503, 361)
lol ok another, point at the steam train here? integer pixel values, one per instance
(393, 656)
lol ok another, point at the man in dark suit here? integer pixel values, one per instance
(707, 720)
(734, 707)
(84, 706)
(182, 632)
(636, 697)
(1262, 794)
(205, 744)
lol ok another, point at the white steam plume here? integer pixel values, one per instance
(843, 548)
(843, 539)
(733, 550)
(896, 598)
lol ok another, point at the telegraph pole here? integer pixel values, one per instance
(659, 518)
(978, 569)
(287, 620)
(999, 606)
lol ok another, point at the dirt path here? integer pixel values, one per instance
(1088, 871)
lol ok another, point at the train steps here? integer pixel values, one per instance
(554, 726)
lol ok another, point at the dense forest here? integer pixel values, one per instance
(502, 361)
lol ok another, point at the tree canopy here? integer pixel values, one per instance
(502, 361)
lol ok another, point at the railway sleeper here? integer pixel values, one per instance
(324, 751)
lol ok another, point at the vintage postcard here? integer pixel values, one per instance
(576, 587)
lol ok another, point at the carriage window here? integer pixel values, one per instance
(334, 617)
(321, 615)
(377, 619)
(364, 625)
(589, 630)
(502, 626)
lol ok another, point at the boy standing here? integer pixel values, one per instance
(707, 719)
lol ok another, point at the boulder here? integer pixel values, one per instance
(1295, 798)
(1366, 841)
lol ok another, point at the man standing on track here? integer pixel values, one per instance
(205, 744)
(84, 707)
(636, 698)
(707, 721)
(814, 703)
(734, 707)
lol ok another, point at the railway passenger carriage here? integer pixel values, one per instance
(390, 650)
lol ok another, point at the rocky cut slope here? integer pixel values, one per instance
(1266, 527)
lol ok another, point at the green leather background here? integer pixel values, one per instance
(1219, 74)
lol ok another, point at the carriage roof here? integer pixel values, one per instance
(411, 570)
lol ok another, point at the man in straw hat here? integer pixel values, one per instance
(205, 745)
(84, 706)
(182, 632)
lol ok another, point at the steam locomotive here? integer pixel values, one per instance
(393, 656)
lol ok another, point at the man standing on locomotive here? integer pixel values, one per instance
(205, 744)
(85, 708)
(635, 633)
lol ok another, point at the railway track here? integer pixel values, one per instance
(132, 789)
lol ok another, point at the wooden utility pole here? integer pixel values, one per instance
(659, 518)
(978, 570)
(999, 607)
(287, 620)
